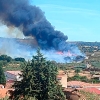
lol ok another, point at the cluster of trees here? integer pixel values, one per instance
(5, 58)
(77, 77)
(83, 79)
(96, 64)
(39, 81)
(9, 59)
(19, 59)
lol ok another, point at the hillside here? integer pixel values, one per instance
(86, 47)
(26, 41)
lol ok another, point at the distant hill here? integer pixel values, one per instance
(26, 41)
(87, 46)
(83, 46)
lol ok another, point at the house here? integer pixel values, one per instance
(12, 75)
(62, 78)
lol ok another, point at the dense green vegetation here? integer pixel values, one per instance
(39, 81)
(20, 59)
(5, 58)
(2, 76)
(77, 77)
(9, 59)
(9, 63)
(95, 64)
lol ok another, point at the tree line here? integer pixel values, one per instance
(9, 59)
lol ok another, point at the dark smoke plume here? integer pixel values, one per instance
(32, 22)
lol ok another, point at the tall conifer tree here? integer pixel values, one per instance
(39, 81)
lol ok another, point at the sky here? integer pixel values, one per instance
(78, 19)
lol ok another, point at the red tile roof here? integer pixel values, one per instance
(9, 85)
(86, 86)
(77, 83)
(93, 90)
(14, 72)
(82, 84)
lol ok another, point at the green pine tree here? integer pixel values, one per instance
(2, 76)
(39, 81)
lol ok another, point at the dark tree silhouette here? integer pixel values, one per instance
(39, 81)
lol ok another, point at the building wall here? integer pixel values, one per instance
(63, 80)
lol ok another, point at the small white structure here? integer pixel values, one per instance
(13, 75)
(96, 77)
(1, 86)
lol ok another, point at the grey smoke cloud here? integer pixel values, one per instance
(32, 22)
